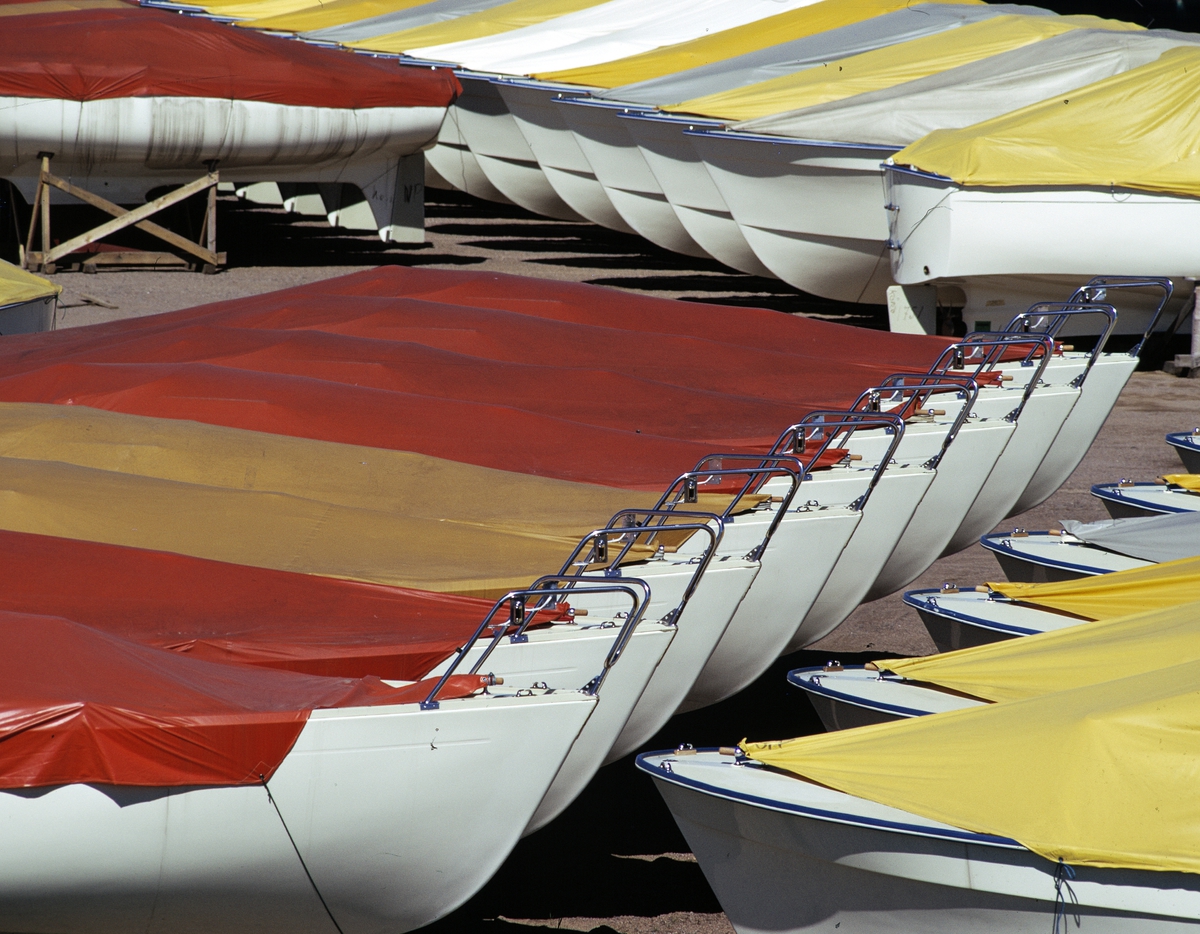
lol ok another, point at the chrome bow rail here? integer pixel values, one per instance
(824, 427)
(1097, 289)
(918, 386)
(983, 350)
(1049, 317)
(520, 615)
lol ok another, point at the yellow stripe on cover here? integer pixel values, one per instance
(251, 9)
(508, 16)
(1188, 481)
(884, 68)
(785, 27)
(333, 13)
(1135, 130)
(1121, 593)
(1102, 775)
(288, 503)
(1064, 658)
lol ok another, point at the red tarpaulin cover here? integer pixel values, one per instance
(555, 379)
(78, 705)
(232, 613)
(84, 55)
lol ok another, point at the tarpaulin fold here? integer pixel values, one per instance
(1118, 594)
(17, 285)
(1063, 658)
(1150, 538)
(78, 705)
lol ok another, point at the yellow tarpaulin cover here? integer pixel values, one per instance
(250, 9)
(1134, 130)
(884, 68)
(1103, 775)
(1062, 659)
(1122, 593)
(1189, 481)
(785, 27)
(504, 18)
(17, 285)
(288, 503)
(333, 13)
(59, 6)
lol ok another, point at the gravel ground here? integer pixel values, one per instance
(615, 861)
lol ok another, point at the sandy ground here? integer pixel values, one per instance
(615, 861)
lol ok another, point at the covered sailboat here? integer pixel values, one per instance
(1082, 549)
(998, 817)
(1030, 193)
(160, 99)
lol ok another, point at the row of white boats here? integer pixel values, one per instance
(940, 157)
(1021, 752)
(387, 816)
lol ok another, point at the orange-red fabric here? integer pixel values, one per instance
(555, 379)
(84, 55)
(232, 613)
(79, 705)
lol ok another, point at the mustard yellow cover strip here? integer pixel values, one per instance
(1062, 659)
(251, 9)
(1188, 481)
(884, 68)
(292, 504)
(1135, 130)
(17, 285)
(785, 27)
(504, 18)
(1122, 593)
(1102, 775)
(331, 13)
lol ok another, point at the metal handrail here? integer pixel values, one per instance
(1096, 287)
(967, 388)
(1059, 313)
(955, 355)
(629, 524)
(689, 485)
(832, 424)
(516, 599)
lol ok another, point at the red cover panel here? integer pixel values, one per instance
(569, 381)
(85, 55)
(232, 613)
(78, 705)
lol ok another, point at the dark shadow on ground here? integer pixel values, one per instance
(573, 867)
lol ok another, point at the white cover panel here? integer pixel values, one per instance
(603, 33)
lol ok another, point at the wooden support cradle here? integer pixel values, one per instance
(45, 260)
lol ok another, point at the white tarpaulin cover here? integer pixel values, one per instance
(437, 11)
(1151, 538)
(974, 92)
(923, 19)
(613, 30)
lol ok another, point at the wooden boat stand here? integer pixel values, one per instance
(45, 260)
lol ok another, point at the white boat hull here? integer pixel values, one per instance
(784, 855)
(813, 214)
(500, 150)
(384, 804)
(565, 166)
(630, 185)
(689, 188)
(987, 240)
